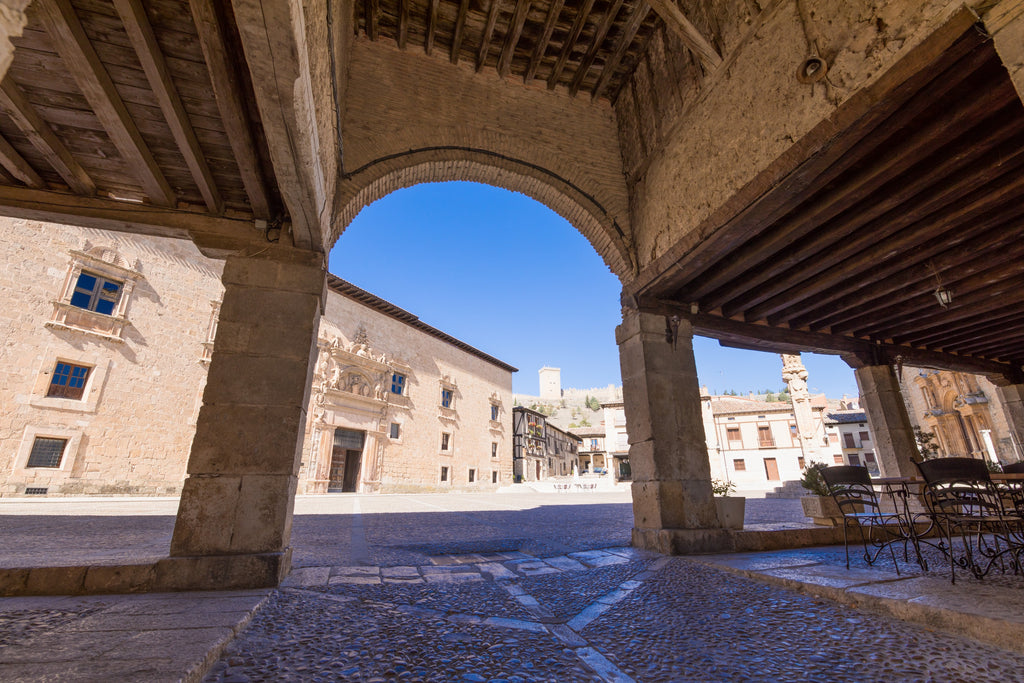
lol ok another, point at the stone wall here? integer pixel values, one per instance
(409, 120)
(691, 140)
(131, 431)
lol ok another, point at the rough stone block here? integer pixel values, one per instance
(119, 578)
(257, 380)
(270, 307)
(674, 505)
(222, 572)
(55, 581)
(263, 517)
(207, 504)
(234, 439)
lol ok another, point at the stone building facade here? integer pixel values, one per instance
(107, 340)
(965, 412)
(105, 352)
(398, 405)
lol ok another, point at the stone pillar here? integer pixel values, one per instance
(895, 446)
(234, 518)
(1012, 397)
(673, 508)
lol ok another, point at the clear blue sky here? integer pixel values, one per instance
(507, 275)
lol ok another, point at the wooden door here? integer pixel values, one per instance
(771, 468)
(352, 461)
(337, 475)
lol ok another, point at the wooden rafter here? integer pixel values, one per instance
(230, 104)
(687, 32)
(570, 42)
(541, 47)
(460, 26)
(636, 18)
(512, 38)
(403, 22)
(84, 64)
(595, 45)
(428, 42)
(371, 10)
(485, 41)
(42, 137)
(17, 166)
(137, 26)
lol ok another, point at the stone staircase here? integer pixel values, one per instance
(789, 489)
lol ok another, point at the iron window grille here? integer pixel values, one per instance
(46, 452)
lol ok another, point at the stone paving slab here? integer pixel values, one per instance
(165, 637)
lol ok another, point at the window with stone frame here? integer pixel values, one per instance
(472, 475)
(734, 437)
(47, 452)
(447, 398)
(444, 473)
(494, 412)
(398, 384)
(446, 442)
(395, 430)
(494, 476)
(97, 288)
(494, 449)
(739, 465)
(68, 381)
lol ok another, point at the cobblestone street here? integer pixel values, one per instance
(514, 587)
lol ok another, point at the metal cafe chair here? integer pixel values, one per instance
(963, 502)
(1014, 490)
(852, 490)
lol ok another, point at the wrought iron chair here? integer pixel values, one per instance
(1014, 490)
(963, 502)
(855, 495)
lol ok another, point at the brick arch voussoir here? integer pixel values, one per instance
(384, 176)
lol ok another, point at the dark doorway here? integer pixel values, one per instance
(345, 461)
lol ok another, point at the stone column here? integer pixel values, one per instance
(895, 446)
(234, 518)
(673, 508)
(1012, 397)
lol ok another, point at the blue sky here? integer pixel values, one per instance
(507, 275)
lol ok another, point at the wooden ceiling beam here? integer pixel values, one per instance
(599, 35)
(687, 32)
(994, 232)
(109, 214)
(403, 23)
(140, 32)
(886, 157)
(890, 277)
(941, 214)
(485, 40)
(17, 166)
(986, 334)
(923, 310)
(515, 30)
(541, 48)
(42, 137)
(371, 12)
(230, 104)
(459, 31)
(636, 18)
(84, 64)
(428, 40)
(570, 42)
(963, 326)
(1009, 347)
(781, 340)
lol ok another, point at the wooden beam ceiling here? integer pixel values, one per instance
(924, 190)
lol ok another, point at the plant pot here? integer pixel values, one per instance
(730, 511)
(822, 509)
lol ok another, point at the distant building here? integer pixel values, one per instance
(540, 449)
(550, 384)
(592, 452)
(850, 439)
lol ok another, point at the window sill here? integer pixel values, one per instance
(70, 405)
(74, 319)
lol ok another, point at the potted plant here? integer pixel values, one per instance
(818, 503)
(730, 508)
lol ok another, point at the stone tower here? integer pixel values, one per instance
(550, 383)
(794, 374)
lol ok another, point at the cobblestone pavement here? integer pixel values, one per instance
(487, 596)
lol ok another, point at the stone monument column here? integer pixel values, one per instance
(235, 514)
(895, 446)
(794, 374)
(673, 508)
